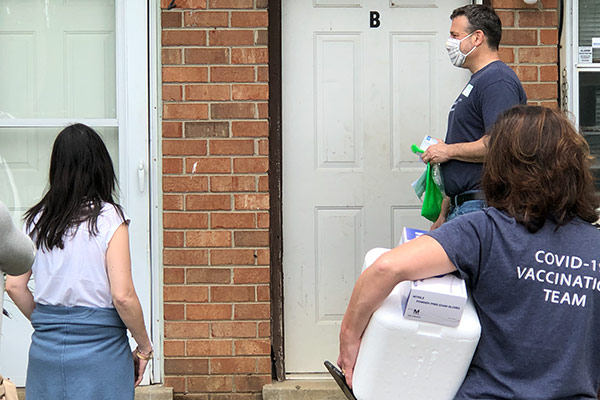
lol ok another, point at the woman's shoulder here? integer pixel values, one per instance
(113, 212)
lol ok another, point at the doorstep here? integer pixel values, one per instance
(303, 389)
(152, 392)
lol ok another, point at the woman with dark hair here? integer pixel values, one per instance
(84, 298)
(531, 261)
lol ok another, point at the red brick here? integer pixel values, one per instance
(186, 330)
(251, 311)
(264, 329)
(182, 4)
(251, 238)
(538, 55)
(231, 147)
(251, 164)
(251, 275)
(172, 93)
(173, 202)
(207, 56)
(519, 37)
(527, 73)
(207, 92)
(175, 382)
(171, 56)
(233, 329)
(185, 74)
(251, 383)
(250, 92)
(252, 347)
(537, 18)
(541, 91)
(519, 4)
(207, 129)
(232, 183)
(212, 165)
(546, 4)
(172, 129)
(174, 312)
(263, 293)
(210, 384)
(232, 110)
(184, 147)
(231, 74)
(232, 257)
(232, 365)
(170, 19)
(232, 293)
(232, 220)
(250, 55)
(548, 73)
(185, 111)
(213, 4)
(190, 294)
(186, 366)
(172, 165)
(172, 239)
(185, 257)
(205, 19)
(263, 110)
(208, 202)
(251, 201)
(262, 37)
(208, 275)
(263, 256)
(250, 128)
(208, 239)
(507, 54)
(208, 311)
(507, 18)
(177, 220)
(174, 348)
(230, 37)
(249, 19)
(185, 184)
(184, 37)
(173, 275)
(210, 347)
(262, 220)
(548, 36)
(263, 150)
(263, 365)
(262, 74)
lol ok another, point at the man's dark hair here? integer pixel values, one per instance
(482, 18)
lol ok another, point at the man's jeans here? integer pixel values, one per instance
(465, 208)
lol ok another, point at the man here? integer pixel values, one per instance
(475, 34)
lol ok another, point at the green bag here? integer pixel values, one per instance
(432, 202)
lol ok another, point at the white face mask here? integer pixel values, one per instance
(457, 57)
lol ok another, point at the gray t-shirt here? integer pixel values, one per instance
(536, 297)
(16, 249)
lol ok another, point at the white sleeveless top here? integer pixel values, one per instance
(76, 275)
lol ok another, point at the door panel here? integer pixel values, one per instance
(354, 99)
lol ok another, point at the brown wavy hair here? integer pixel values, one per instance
(538, 168)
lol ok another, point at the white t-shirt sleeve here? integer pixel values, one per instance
(109, 221)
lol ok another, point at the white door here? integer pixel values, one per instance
(63, 62)
(362, 81)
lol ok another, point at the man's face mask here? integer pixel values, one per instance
(457, 57)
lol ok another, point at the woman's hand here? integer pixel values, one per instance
(347, 358)
(139, 366)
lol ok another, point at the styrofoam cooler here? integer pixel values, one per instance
(402, 359)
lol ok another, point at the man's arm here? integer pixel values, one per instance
(469, 151)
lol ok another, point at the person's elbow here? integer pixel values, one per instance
(386, 267)
(14, 286)
(123, 299)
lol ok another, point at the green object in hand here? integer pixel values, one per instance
(416, 149)
(432, 201)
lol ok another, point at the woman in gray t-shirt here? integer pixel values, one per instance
(531, 262)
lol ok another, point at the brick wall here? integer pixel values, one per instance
(529, 46)
(215, 198)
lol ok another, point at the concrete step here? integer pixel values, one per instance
(152, 392)
(317, 389)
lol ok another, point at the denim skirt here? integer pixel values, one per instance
(79, 353)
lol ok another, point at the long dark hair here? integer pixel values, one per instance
(81, 177)
(538, 168)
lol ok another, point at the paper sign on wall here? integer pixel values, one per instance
(596, 42)
(585, 54)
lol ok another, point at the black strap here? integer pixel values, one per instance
(459, 199)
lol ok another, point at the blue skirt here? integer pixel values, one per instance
(79, 353)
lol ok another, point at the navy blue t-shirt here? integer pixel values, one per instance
(491, 90)
(536, 297)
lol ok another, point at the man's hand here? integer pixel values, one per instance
(437, 153)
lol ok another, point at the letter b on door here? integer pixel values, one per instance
(374, 22)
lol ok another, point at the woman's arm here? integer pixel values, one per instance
(17, 289)
(125, 299)
(419, 258)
